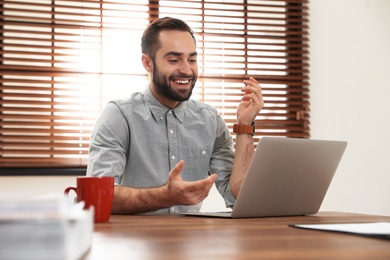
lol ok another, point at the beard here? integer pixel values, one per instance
(165, 89)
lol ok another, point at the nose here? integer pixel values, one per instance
(185, 68)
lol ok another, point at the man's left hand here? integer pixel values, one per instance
(251, 103)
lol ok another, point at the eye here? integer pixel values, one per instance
(192, 60)
(173, 60)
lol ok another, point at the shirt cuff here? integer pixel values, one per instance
(230, 200)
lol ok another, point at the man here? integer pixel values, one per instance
(162, 147)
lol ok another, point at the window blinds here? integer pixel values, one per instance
(62, 61)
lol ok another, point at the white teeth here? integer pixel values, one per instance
(181, 81)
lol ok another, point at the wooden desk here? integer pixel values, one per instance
(180, 237)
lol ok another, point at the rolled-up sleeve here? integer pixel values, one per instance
(222, 161)
(109, 140)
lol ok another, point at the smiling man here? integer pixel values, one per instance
(173, 67)
(164, 149)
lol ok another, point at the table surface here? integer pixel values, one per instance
(182, 237)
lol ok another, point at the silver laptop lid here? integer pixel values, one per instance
(288, 176)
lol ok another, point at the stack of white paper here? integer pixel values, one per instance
(376, 229)
(44, 229)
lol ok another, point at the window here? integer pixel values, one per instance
(62, 61)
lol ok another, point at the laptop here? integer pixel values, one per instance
(287, 177)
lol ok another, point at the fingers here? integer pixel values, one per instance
(202, 185)
(213, 177)
(251, 84)
(199, 190)
(251, 103)
(252, 87)
(187, 192)
(252, 93)
(175, 172)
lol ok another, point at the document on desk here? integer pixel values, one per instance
(374, 229)
(45, 229)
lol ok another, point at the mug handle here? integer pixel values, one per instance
(67, 190)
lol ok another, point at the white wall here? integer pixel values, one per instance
(350, 100)
(34, 187)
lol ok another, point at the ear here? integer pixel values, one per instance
(147, 62)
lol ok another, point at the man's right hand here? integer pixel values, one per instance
(179, 192)
(176, 192)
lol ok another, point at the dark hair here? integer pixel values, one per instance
(150, 38)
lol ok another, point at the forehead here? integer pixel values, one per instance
(176, 41)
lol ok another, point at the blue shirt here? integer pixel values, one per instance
(139, 140)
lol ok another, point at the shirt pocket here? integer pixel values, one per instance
(198, 164)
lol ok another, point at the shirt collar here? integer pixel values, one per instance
(159, 111)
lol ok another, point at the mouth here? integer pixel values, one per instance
(182, 82)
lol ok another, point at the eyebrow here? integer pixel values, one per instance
(174, 53)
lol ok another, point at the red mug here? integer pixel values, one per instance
(97, 192)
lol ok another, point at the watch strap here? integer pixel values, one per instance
(244, 129)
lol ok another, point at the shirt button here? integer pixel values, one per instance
(170, 112)
(171, 131)
(203, 152)
(173, 157)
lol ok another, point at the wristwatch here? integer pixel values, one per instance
(244, 129)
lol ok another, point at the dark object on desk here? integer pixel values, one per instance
(287, 177)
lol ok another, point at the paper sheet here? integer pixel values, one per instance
(381, 229)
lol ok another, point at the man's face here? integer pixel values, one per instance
(175, 68)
